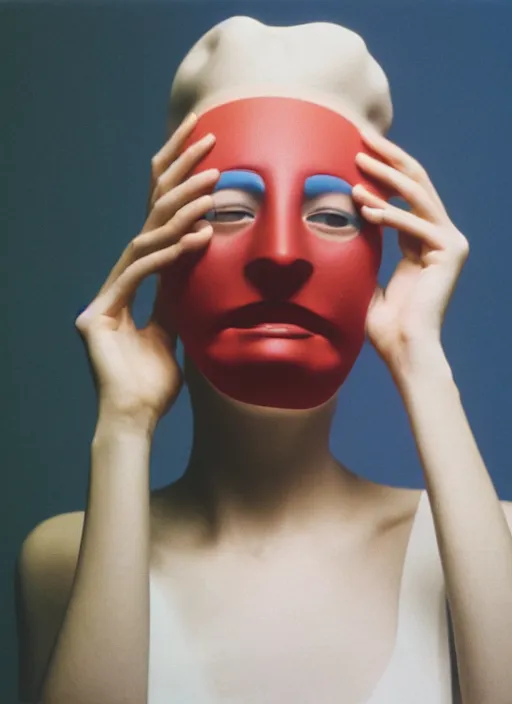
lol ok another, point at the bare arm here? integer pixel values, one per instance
(101, 654)
(404, 324)
(475, 541)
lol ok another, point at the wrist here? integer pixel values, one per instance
(113, 421)
(427, 364)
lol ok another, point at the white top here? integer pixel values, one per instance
(419, 671)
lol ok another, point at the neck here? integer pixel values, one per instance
(260, 467)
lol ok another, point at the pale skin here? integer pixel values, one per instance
(261, 487)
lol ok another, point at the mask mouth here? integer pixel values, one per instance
(257, 314)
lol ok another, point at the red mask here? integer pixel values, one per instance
(276, 269)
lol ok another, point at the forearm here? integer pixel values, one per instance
(473, 536)
(101, 654)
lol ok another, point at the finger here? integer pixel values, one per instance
(147, 242)
(160, 316)
(172, 148)
(394, 154)
(163, 238)
(413, 192)
(200, 225)
(172, 232)
(117, 297)
(181, 166)
(404, 221)
(410, 247)
(378, 295)
(122, 263)
(168, 204)
(181, 223)
(365, 197)
(401, 160)
(161, 312)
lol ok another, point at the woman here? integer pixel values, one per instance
(272, 571)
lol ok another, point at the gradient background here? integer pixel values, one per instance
(83, 99)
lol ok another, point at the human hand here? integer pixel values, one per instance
(404, 321)
(135, 370)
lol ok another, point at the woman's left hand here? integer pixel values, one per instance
(404, 321)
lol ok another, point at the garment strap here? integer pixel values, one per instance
(419, 670)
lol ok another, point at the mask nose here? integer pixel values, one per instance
(279, 263)
(278, 282)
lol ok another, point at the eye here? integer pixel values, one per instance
(231, 215)
(335, 219)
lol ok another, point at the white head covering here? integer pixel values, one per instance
(319, 62)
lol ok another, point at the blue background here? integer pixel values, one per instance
(84, 91)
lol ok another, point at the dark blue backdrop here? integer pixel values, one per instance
(84, 90)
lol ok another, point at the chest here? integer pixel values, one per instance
(297, 628)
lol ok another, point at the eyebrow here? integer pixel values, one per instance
(252, 182)
(244, 180)
(323, 183)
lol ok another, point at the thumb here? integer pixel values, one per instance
(378, 295)
(160, 316)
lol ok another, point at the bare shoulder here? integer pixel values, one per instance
(44, 576)
(403, 503)
(49, 553)
(394, 506)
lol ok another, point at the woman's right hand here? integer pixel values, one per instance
(135, 370)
